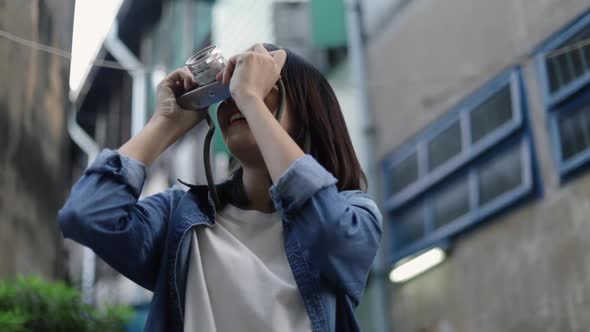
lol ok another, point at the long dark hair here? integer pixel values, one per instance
(319, 116)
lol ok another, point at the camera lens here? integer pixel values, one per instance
(206, 64)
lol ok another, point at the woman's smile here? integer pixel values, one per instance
(237, 118)
(228, 115)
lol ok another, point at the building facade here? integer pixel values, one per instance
(152, 38)
(34, 158)
(483, 136)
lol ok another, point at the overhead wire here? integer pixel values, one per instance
(373, 82)
(115, 65)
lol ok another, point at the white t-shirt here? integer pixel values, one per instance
(239, 278)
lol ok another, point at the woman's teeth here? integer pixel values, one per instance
(236, 116)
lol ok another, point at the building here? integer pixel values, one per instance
(34, 158)
(148, 40)
(483, 137)
(154, 37)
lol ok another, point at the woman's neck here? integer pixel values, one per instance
(257, 182)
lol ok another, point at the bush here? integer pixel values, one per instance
(12, 321)
(33, 304)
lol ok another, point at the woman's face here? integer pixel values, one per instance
(236, 132)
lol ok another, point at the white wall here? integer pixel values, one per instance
(238, 24)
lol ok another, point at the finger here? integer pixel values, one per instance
(171, 87)
(259, 48)
(168, 83)
(189, 74)
(178, 87)
(168, 90)
(175, 75)
(280, 57)
(179, 75)
(229, 69)
(187, 83)
(252, 48)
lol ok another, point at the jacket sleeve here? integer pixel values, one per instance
(340, 231)
(103, 213)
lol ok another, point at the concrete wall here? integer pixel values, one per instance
(379, 12)
(527, 270)
(34, 164)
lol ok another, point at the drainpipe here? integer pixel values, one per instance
(378, 296)
(131, 63)
(87, 144)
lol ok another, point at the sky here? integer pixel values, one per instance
(92, 21)
(236, 26)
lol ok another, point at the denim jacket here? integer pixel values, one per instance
(331, 237)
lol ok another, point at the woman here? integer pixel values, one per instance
(291, 246)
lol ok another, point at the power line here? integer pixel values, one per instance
(58, 52)
(115, 65)
(372, 83)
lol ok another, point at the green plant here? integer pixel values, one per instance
(34, 304)
(13, 321)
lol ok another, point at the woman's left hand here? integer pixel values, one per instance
(252, 74)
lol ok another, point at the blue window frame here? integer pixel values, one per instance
(461, 169)
(564, 62)
(564, 72)
(570, 134)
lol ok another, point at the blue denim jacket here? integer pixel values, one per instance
(331, 237)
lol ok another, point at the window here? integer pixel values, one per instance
(470, 164)
(564, 62)
(569, 62)
(564, 65)
(474, 126)
(498, 176)
(410, 225)
(451, 203)
(570, 132)
(405, 173)
(444, 146)
(491, 115)
(574, 128)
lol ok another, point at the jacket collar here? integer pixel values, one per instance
(197, 203)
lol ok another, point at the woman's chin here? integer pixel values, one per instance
(240, 145)
(239, 139)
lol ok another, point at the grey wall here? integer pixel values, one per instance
(34, 164)
(527, 270)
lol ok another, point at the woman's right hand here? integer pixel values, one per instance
(169, 122)
(167, 109)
